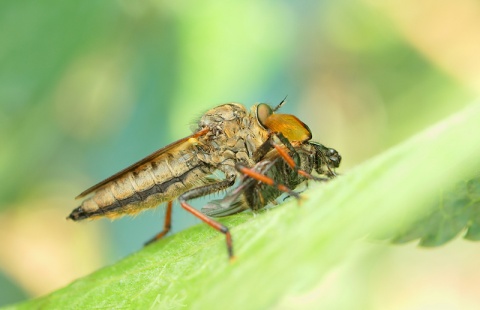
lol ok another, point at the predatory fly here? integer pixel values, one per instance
(272, 153)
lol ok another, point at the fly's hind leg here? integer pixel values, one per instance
(202, 191)
(167, 225)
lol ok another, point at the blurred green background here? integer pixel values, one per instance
(88, 88)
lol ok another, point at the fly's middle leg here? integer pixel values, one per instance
(202, 191)
(266, 179)
(167, 225)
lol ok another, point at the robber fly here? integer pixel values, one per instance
(229, 139)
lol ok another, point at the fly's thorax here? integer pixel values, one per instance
(216, 119)
(234, 136)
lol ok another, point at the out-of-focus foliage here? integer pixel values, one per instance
(89, 87)
(457, 209)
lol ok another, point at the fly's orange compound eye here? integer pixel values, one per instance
(290, 126)
(263, 112)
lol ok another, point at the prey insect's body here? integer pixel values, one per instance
(255, 195)
(229, 139)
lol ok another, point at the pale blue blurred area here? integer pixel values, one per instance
(88, 88)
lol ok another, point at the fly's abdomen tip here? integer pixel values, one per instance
(77, 214)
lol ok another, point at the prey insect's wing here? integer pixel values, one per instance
(177, 144)
(230, 204)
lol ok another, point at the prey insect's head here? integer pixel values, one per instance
(289, 125)
(333, 157)
(326, 159)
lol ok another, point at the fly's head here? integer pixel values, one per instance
(289, 125)
(326, 159)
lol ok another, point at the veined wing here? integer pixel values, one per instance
(182, 143)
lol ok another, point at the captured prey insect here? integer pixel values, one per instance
(254, 194)
(229, 139)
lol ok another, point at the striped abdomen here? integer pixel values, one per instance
(157, 181)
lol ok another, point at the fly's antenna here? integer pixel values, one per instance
(280, 104)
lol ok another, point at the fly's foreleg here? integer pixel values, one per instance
(202, 191)
(167, 225)
(292, 161)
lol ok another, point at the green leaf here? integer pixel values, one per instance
(291, 247)
(456, 210)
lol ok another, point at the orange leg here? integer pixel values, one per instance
(269, 144)
(166, 226)
(212, 223)
(265, 179)
(289, 160)
(202, 191)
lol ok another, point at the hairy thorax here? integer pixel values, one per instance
(234, 137)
